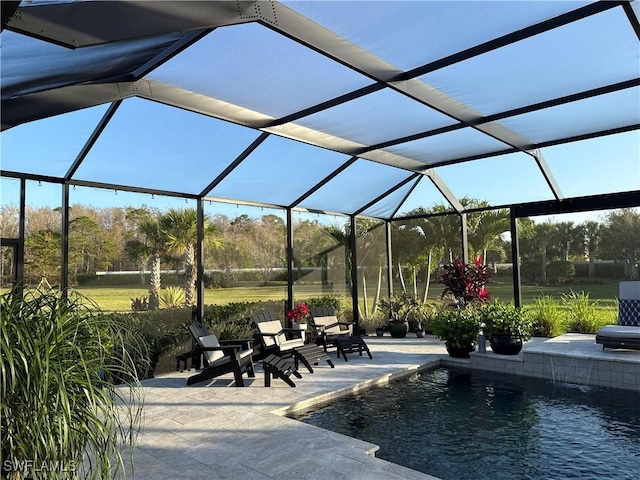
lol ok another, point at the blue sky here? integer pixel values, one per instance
(152, 145)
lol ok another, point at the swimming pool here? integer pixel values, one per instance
(456, 426)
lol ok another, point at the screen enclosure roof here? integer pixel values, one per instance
(371, 108)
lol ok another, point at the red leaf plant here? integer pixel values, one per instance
(466, 282)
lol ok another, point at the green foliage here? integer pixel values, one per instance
(582, 314)
(61, 359)
(42, 258)
(560, 272)
(161, 329)
(547, 317)
(330, 301)
(399, 306)
(368, 325)
(172, 297)
(601, 270)
(505, 319)
(530, 271)
(140, 304)
(424, 316)
(234, 320)
(458, 327)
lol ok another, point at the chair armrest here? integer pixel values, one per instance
(228, 350)
(266, 334)
(245, 343)
(322, 328)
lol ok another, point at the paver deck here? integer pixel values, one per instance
(210, 431)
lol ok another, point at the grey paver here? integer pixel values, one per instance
(216, 432)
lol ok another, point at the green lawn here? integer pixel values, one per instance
(119, 298)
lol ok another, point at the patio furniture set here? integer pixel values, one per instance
(281, 350)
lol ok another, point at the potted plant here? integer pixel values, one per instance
(423, 317)
(419, 329)
(506, 326)
(459, 328)
(397, 309)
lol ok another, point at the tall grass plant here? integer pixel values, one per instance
(547, 317)
(583, 315)
(70, 396)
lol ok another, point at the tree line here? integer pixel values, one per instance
(137, 239)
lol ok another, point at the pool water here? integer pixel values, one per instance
(456, 426)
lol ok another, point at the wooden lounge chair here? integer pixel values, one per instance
(274, 337)
(222, 357)
(328, 328)
(275, 342)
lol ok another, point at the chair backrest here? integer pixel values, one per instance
(325, 321)
(273, 326)
(198, 330)
(264, 317)
(210, 341)
(322, 311)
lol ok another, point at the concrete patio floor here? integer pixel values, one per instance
(211, 431)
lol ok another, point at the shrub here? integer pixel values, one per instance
(161, 329)
(560, 272)
(530, 271)
(330, 301)
(583, 316)
(140, 304)
(505, 319)
(547, 317)
(61, 359)
(234, 320)
(458, 327)
(172, 297)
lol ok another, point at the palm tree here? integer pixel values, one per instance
(567, 237)
(180, 227)
(151, 244)
(591, 231)
(544, 233)
(485, 230)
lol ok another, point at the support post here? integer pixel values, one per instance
(290, 259)
(464, 237)
(353, 240)
(389, 259)
(515, 258)
(200, 261)
(21, 229)
(64, 240)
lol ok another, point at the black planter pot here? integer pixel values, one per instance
(459, 352)
(506, 344)
(380, 332)
(398, 329)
